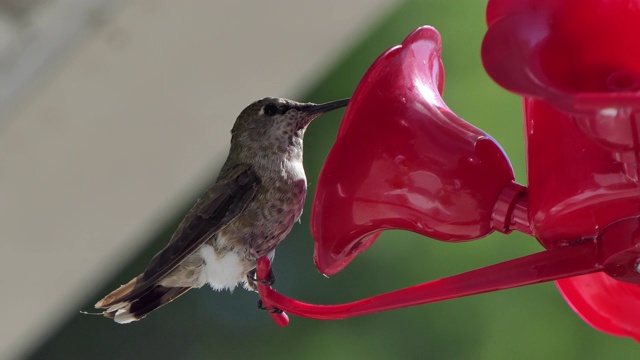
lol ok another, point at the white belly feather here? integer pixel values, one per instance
(222, 272)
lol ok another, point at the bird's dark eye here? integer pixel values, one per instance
(270, 109)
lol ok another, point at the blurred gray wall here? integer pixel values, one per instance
(112, 111)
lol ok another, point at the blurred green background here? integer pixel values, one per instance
(530, 322)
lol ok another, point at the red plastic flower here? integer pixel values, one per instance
(428, 171)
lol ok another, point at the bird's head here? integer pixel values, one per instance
(275, 124)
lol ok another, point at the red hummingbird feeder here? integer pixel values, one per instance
(432, 173)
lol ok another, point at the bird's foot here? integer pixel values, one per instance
(269, 281)
(273, 310)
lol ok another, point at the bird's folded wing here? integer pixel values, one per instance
(224, 201)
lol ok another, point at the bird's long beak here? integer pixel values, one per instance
(312, 111)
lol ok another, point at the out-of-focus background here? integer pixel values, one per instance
(115, 116)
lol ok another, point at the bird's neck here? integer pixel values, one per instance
(287, 167)
(281, 163)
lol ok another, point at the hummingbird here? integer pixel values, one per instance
(258, 196)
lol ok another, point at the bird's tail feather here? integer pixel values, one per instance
(123, 308)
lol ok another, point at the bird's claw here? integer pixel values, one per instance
(273, 310)
(269, 281)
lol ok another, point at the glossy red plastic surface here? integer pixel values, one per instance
(536, 268)
(403, 160)
(573, 196)
(605, 254)
(566, 52)
(605, 303)
(610, 301)
(262, 274)
(571, 61)
(576, 65)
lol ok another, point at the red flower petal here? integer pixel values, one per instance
(607, 304)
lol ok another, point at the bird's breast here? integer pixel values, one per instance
(269, 217)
